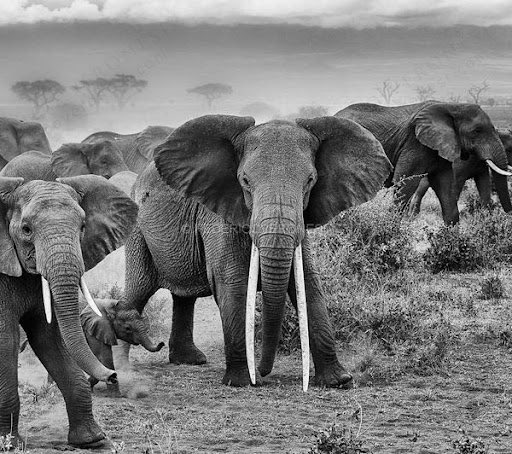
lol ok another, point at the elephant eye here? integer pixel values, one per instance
(26, 229)
(245, 182)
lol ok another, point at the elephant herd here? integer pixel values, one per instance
(218, 206)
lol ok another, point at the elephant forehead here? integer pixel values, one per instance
(280, 136)
(46, 194)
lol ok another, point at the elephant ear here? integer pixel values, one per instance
(434, 128)
(351, 167)
(110, 216)
(69, 161)
(9, 262)
(151, 137)
(199, 160)
(98, 327)
(8, 139)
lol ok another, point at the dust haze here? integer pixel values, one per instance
(284, 66)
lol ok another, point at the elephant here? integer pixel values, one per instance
(51, 233)
(476, 169)
(99, 158)
(136, 149)
(426, 139)
(225, 201)
(116, 322)
(17, 136)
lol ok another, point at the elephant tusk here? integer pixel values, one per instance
(250, 308)
(88, 297)
(496, 169)
(298, 272)
(509, 168)
(47, 299)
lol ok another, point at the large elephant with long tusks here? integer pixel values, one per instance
(478, 170)
(227, 204)
(425, 139)
(51, 232)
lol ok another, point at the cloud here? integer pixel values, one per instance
(323, 13)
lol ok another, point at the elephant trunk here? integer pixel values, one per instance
(501, 185)
(276, 255)
(63, 270)
(151, 346)
(142, 337)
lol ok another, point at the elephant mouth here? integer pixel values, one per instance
(47, 298)
(252, 284)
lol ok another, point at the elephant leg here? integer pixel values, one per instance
(121, 353)
(182, 349)
(442, 183)
(328, 370)
(104, 354)
(9, 398)
(47, 344)
(415, 202)
(483, 186)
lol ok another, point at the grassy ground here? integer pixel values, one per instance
(430, 356)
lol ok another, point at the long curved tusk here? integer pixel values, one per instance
(47, 299)
(88, 297)
(496, 169)
(300, 286)
(250, 308)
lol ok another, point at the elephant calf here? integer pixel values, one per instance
(117, 322)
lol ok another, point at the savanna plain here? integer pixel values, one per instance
(423, 319)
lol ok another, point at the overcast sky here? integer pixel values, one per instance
(323, 13)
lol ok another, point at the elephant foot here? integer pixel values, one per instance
(239, 377)
(186, 354)
(12, 441)
(113, 390)
(86, 435)
(333, 376)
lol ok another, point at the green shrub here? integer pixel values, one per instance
(452, 249)
(466, 445)
(492, 287)
(372, 238)
(335, 440)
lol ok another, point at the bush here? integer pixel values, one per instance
(370, 239)
(466, 445)
(335, 440)
(452, 249)
(492, 287)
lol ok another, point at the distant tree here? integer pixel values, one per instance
(490, 102)
(41, 93)
(312, 112)
(260, 110)
(454, 98)
(476, 91)
(387, 90)
(95, 90)
(124, 87)
(212, 91)
(424, 92)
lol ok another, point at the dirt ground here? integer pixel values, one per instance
(185, 409)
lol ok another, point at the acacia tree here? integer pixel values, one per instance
(424, 92)
(387, 90)
(124, 87)
(476, 91)
(212, 91)
(95, 89)
(41, 93)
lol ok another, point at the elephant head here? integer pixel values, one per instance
(101, 158)
(18, 136)
(506, 138)
(273, 180)
(461, 130)
(59, 230)
(130, 326)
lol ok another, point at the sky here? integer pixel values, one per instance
(284, 53)
(322, 13)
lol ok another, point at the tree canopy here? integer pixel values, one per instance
(212, 91)
(41, 93)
